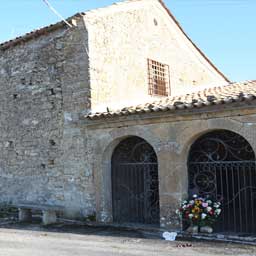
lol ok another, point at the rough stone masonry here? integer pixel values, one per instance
(44, 86)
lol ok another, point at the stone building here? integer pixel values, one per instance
(68, 136)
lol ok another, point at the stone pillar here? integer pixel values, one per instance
(25, 215)
(172, 185)
(49, 217)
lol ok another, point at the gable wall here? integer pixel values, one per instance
(122, 37)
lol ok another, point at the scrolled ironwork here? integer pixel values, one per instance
(221, 165)
(221, 146)
(135, 182)
(134, 150)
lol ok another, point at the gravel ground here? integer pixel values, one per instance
(33, 240)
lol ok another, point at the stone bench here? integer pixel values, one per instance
(48, 212)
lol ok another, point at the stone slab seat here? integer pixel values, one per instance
(49, 212)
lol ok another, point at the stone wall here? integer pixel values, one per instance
(44, 87)
(122, 38)
(171, 136)
(48, 82)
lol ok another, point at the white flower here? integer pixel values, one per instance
(209, 209)
(177, 211)
(194, 196)
(185, 202)
(216, 205)
(209, 201)
(218, 211)
(191, 201)
(203, 216)
(190, 215)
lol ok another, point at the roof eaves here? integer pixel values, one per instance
(234, 92)
(36, 33)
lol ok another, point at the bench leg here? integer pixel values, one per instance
(25, 215)
(49, 217)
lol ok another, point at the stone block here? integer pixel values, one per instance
(49, 217)
(25, 215)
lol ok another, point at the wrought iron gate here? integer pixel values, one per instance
(135, 193)
(222, 165)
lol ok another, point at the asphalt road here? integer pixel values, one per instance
(35, 241)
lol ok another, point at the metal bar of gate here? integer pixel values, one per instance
(239, 198)
(252, 201)
(221, 189)
(233, 192)
(245, 198)
(227, 196)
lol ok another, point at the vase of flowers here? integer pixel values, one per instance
(200, 212)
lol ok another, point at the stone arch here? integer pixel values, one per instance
(198, 131)
(221, 165)
(211, 125)
(103, 181)
(135, 184)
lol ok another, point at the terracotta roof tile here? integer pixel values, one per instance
(234, 92)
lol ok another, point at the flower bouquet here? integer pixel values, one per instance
(200, 212)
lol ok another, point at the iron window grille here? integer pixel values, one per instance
(159, 78)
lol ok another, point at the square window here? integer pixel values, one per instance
(159, 78)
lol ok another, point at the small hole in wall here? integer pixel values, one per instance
(15, 96)
(43, 166)
(10, 144)
(51, 162)
(23, 81)
(52, 142)
(52, 92)
(155, 22)
(53, 105)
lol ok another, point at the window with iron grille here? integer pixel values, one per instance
(159, 78)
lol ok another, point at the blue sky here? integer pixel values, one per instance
(225, 30)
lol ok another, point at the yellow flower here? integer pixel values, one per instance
(198, 202)
(196, 210)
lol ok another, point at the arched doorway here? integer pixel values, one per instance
(135, 193)
(221, 164)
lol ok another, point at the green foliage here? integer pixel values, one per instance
(90, 218)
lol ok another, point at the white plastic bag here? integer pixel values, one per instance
(169, 236)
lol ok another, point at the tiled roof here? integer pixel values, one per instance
(234, 92)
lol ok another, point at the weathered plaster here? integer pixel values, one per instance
(121, 40)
